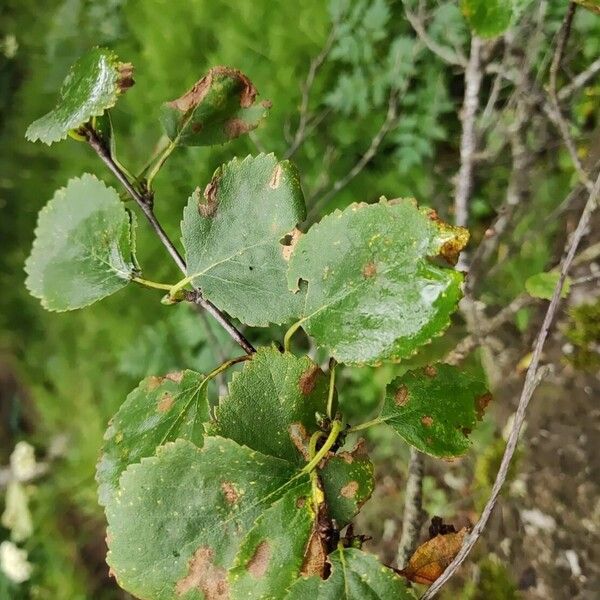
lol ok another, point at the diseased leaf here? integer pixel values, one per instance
(435, 408)
(93, 85)
(432, 558)
(373, 292)
(355, 575)
(159, 410)
(542, 285)
(232, 238)
(179, 518)
(347, 480)
(273, 552)
(272, 404)
(84, 246)
(488, 18)
(218, 108)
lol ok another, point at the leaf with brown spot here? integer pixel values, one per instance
(219, 107)
(347, 480)
(431, 558)
(273, 553)
(373, 291)
(355, 575)
(445, 405)
(175, 532)
(241, 268)
(315, 556)
(159, 410)
(272, 403)
(288, 243)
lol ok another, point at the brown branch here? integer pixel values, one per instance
(532, 379)
(145, 203)
(412, 517)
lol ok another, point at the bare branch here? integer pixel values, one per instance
(446, 54)
(315, 64)
(579, 81)
(388, 123)
(473, 77)
(412, 517)
(532, 379)
(145, 203)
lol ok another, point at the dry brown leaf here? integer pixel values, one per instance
(431, 558)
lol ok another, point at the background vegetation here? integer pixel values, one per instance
(382, 118)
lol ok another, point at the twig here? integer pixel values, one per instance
(473, 77)
(315, 64)
(552, 108)
(388, 123)
(446, 54)
(531, 381)
(412, 518)
(579, 81)
(145, 202)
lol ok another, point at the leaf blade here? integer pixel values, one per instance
(232, 238)
(159, 410)
(435, 408)
(272, 403)
(84, 246)
(218, 108)
(373, 294)
(92, 86)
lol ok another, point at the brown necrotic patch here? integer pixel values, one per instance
(230, 493)
(481, 403)
(430, 371)
(401, 396)
(300, 438)
(308, 380)
(165, 402)
(427, 421)
(276, 177)
(236, 127)
(369, 270)
(258, 564)
(205, 577)
(208, 207)
(350, 489)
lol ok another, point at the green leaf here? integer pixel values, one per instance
(84, 246)
(179, 518)
(435, 408)
(218, 108)
(347, 480)
(488, 18)
(373, 291)
(93, 85)
(355, 575)
(541, 285)
(273, 552)
(159, 410)
(232, 238)
(272, 404)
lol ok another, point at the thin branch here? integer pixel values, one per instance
(532, 379)
(315, 64)
(579, 81)
(446, 54)
(145, 202)
(412, 518)
(473, 78)
(388, 123)
(552, 108)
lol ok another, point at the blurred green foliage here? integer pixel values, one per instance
(74, 370)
